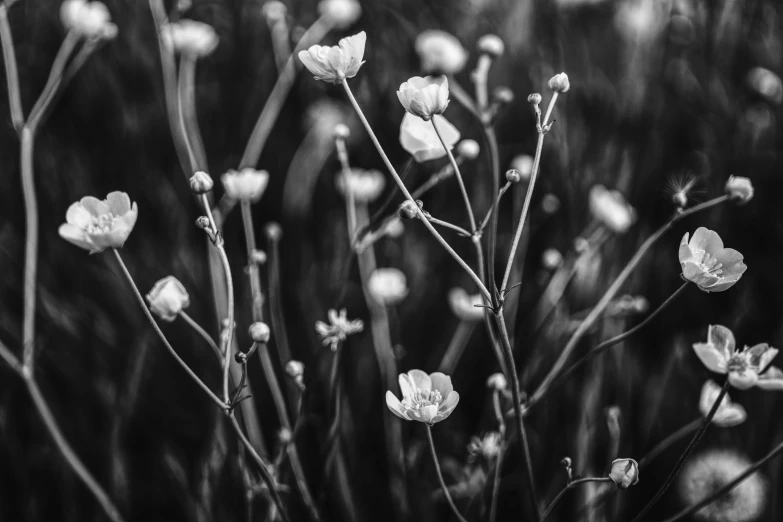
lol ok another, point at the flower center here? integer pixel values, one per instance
(419, 399)
(101, 224)
(708, 263)
(737, 364)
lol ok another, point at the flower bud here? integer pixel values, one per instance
(341, 131)
(766, 83)
(258, 257)
(259, 332)
(203, 222)
(285, 436)
(168, 298)
(463, 305)
(273, 231)
(524, 164)
(408, 210)
(468, 149)
(739, 189)
(503, 95)
(611, 209)
(294, 368)
(424, 97)
(387, 286)
(440, 52)
(201, 183)
(513, 176)
(87, 19)
(625, 473)
(274, 11)
(245, 185)
(491, 45)
(680, 199)
(551, 259)
(497, 381)
(534, 99)
(341, 13)
(559, 83)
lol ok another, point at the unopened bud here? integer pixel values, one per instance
(273, 231)
(274, 11)
(491, 45)
(203, 222)
(259, 332)
(468, 149)
(534, 99)
(680, 199)
(513, 176)
(285, 436)
(503, 95)
(258, 257)
(201, 183)
(497, 381)
(739, 189)
(559, 83)
(294, 368)
(341, 131)
(408, 210)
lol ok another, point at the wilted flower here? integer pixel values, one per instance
(611, 209)
(87, 19)
(705, 262)
(168, 298)
(551, 258)
(559, 83)
(745, 367)
(706, 473)
(338, 329)
(340, 13)
(425, 398)
(190, 38)
(95, 225)
(424, 97)
(491, 45)
(739, 188)
(365, 185)
(728, 413)
(497, 381)
(335, 64)
(625, 473)
(468, 149)
(524, 164)
(420, 140)
(440, 52)
(259, 331)
(487, 447)
(464, 305)
(387, 286)
(766, 83)
(245, 185)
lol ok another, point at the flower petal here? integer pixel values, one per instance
(731, 261)
(420, 380)
(395, 405)
(722, 338)
(711, 357)
(95, 206)
(706, 240)
(743, 380)
(772, 379)
(406, 387)
(78, 215)
(77, 236)
(119, 203)
(442, 383)
(685, 251)
(449, 403)
(760, 356)
(730, 415)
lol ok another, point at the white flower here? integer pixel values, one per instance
(95, 225)
(551, 258)
(335, 64)
(419, 138)
(487, 446)
(338, 329)
(611, 209)
(625, 473)
(491, 45)
(766, 83)
(497, 381)
(440, 52)
(739, 188)
(168, 298)
(245, 185)
(559, 83)
(425, 398)
(424, 97)
(87, 19)
(707, 263)
(728, 413)
(190, 38)
(463, 305)
(388, 286)
(365, 185)
(340, 13)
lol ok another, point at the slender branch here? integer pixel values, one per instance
(187, 110)
(10, 358)
(499, 462)
(494, 161)
(458, 174)
(203, 333)
(440, 476)
(669, 440)
(572, 484)
(54, 81)
(459, 230)
(11, 71)
(31, 247)
(162, 337)
(495, 205)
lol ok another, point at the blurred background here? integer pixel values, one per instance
(663, 94)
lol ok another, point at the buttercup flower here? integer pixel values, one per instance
(338, 329)
(559, 83)
(245, 185)
(168, 298)
(387, 286)
(705, 262)
(87, 19)
(425, 398)
(424, 97)
(420, 140)
(440, 52)
(335, 64)
(463, 305)
(745, 367)
(95, 225)
(487, 446)
(341, 13)
(365, 185)
(611, 209)
(625, 473)
(728, 413)
(189, 37)
(739, 189)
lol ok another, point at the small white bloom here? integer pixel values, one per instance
(463, 305)
(487, 447)
(95, 225)
(365, 185)
(497, 381)
(420, 140)
(245, 185)
(388, 286)
(190, 38)
(425, 398)
(424, 97)
(440, 52)
(524, 164)
(168, 298)
(338, 329)
(468, 149)
(335, 64)
(610, 208)
(625, 473)
(767, 84)
(559, 83)
(739, 188)
(491, 45)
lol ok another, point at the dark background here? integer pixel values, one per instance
(660, 92)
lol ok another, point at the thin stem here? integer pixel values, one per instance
(669, 441)
(407, 194)
(572, 484)
(187, 108)
(11, 71)
(499, 462)
(185, 123)
(494, 161)
(685, 454)
(140, 299)
(10, 358)
(458, 174)
(456, 347)
(614, 340)
(609, 295)
(253, 270)
(462, 97)
(31, 246)
(495, 205)
(203, 333)
(54, 81)
(440, 476)
(276, 302)
(480, 81)
(459, 230)
(728, 487)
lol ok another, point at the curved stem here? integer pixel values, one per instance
(440, 476)
(187, 111)
(11, 71)
(459, 230)
(408, 196)
(53, 82)
(494, 168)
(668, 441)
(253, 269)
(685, 454)
(575, 483)
(31, 246)
(458, 174)
(203, 333)
(162, 337)
(495, 205)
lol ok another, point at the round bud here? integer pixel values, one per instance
(258, 257)
(285, 436)
(534, 99)
(201, 183)
(294, 368)
(408, 210)
(503, 95)
(491, 45)
(497, 381)
(273, 231)
(513, 176)
(559, 83)
(680, 199)
(468, 149)
(341, 131)
(259, 332)
(274, 11)
(203, 222)
(566, 462)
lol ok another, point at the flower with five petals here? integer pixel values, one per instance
(335, 64)
(425, 398)
(338, 329)
(705, 262)
(95, 225)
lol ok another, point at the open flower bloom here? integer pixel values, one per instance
(419, 138)
(463, 305)
(335, 64)
(705, 262)
(388, 286)
(365, 185)
(745, 367)
(168, 298)
(95, 225)
(338, 329)
(440, 52)
(245, 185)
(625, 473)
(424, 97)
(610, 208)
(425, 398)
(728, 413)
(87, 19)
(189, 37)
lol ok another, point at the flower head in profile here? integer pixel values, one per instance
(440, 52)
(746, 368)
(705, 262)
(487, 447)
(388, 286)
(425, 398)
(419, 138)
(190, 38)
(424, 97)
(559, 83)
(338, 329)
(625, 473)
(95, 225)
(335, 64)
(610, 208)
(463, 305)
(728, 413)
(295, 370)
(365, 185)
(87, 19)
(168, 298)
(245, 185)
(739, 189)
